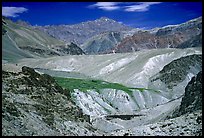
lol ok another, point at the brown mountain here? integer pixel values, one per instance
(171, 36)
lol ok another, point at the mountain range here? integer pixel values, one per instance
(171, 36)
(79, 33)
(105, 35)
(101, 36)
(101, 78)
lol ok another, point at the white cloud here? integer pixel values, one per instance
(103, 4)
(108, 6)
(12, 11)
(141, 7)
(126, 6)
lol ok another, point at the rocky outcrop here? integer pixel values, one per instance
(185, 125)
(33, 104)
(191, 104)
(175, 76)
(176, 71)
(192, 100)
(70, 49)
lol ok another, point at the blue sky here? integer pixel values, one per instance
(135, 14)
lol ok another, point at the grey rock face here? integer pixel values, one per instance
(70, 49)
(176, 74)
(177, 70)
(192, 99)
(102, 43)
(185, 125)
(33, 104)
(195, 41)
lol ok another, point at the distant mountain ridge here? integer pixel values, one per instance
(19, 41)
(79, 33)
(185, 35)
(171, 36)
(105, 35)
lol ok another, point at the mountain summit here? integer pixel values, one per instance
(105, 19)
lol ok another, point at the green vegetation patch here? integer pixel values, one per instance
(97, 85)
